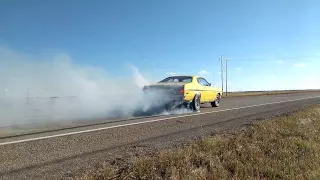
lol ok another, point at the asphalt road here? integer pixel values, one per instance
(52, 155)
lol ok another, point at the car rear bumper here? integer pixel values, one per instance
(168, 100)
(177, 102)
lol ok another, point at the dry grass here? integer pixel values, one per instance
(259, 93)
(287, 147)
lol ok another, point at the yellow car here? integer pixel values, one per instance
(186, 91)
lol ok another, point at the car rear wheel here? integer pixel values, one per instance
(196, 103)
(216, 103)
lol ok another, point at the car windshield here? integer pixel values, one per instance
(185, 79)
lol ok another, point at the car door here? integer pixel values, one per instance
(204, 89)
(211, 92)
(208, 90)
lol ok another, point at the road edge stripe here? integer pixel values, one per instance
(144, 122)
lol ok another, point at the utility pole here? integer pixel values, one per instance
(221, 72)
(227, 76)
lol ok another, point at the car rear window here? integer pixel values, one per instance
(185, 79)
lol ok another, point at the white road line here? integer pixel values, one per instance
(143, 122)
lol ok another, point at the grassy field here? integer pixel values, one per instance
(259, 93)
(287, 147)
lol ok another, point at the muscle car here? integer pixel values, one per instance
(184, 91)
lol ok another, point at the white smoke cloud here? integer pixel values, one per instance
(30, 85)
(139, 80)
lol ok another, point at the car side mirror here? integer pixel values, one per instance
(209, 84)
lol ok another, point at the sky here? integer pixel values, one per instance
(270, 44)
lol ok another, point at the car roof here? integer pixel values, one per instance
(182, 76)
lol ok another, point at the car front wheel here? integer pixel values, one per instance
(216, 103)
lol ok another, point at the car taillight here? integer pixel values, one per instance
(181, 91)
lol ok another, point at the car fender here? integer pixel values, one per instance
(197, 93)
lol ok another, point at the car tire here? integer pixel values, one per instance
(216, 103)
(196, 103)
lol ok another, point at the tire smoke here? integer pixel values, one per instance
(41, 89)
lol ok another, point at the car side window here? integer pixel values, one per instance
(187, 80)
(203, 82)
